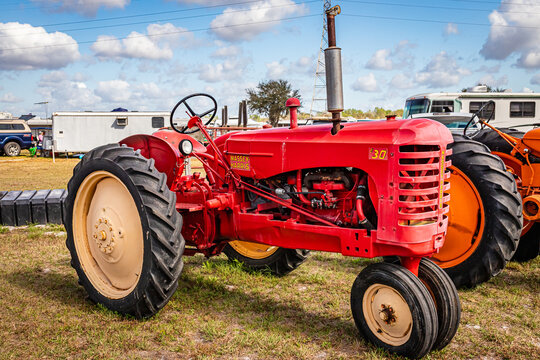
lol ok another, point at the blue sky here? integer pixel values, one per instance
(146, 55)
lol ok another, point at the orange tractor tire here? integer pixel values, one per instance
(485, 219)
(529, 245)
(279, 261)
(128, 252)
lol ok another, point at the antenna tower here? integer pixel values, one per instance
(318, 101)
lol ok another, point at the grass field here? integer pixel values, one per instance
(26, 173)
(221, 311)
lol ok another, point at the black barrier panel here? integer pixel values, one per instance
(7, 203)
(39, 206)
(54, 205)
(2, 193)
(23, 208)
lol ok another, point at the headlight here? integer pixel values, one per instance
(185, 147)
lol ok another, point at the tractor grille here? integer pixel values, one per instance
(422, 191)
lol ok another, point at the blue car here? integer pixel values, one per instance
(15, 135)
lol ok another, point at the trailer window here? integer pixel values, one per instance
(18, 127)
(158, 122)
(474, 106)
(522, 108)
(122, 121)
(5, 126)
(442, 106)
(416, 106)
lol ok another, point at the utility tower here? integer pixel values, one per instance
(318, 101)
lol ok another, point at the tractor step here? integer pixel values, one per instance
(19, 208)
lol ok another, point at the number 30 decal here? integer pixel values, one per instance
(378, 154)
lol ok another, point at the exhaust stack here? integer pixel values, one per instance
(334, 76)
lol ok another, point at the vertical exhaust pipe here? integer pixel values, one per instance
(334, 75)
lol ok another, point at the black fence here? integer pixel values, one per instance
(19, 208)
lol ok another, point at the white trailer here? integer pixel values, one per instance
(80, 132)
(518, 110)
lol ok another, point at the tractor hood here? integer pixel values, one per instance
(268, 152)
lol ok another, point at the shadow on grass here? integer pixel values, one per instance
(57, 287)
(205, 295)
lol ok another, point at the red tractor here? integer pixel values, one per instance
(362, 189)
(373, 189)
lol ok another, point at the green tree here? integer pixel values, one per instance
(269, 97)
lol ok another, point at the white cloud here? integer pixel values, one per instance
(113, 90)
(9, 98)
(380, 60)
(366, 83)
(259, 17)
(83, 7)
(535, 80)
(400, 81)
(527, 90)
(65, 94)
(305, 65)
(492, 81)
(158, 44)
(383, 59)
(441, 71)
(36, 49)
(230, 69)
(276, 70)
(227, 51)
(514, 31)
(451, 29)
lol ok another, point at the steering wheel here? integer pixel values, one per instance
(478, 121)
(213, 110)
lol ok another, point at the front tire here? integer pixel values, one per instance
(485, 217)
(12, 149)
(279, 261)
(124, 233)
(394, 310)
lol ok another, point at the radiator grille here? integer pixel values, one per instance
(422, 191)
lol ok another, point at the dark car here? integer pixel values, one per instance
(15, 135)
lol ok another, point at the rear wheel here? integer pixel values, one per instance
(485, 215)
(124, 233)
(529, 244)
(394, 310)
(12, 149)
(279, 261)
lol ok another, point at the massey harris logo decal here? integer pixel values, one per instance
(240, 162)
(441, 186)
(378, 154)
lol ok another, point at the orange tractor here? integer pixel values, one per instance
(520, 153)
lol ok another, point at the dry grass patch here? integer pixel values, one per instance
(27, 173)
(221, 311)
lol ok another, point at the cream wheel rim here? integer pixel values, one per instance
(253, 250)
(387, 314)
(108, 234)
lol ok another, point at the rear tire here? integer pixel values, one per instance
(478, 246)
(279, 261)
(12, 149)
(124, 233)
(529, 244)
(394, 310)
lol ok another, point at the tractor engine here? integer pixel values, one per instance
(338, 195)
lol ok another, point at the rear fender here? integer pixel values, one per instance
(166, 157)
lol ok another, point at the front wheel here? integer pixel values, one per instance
(12, 149)
(279, 261)
(124, 233)
(394, 310)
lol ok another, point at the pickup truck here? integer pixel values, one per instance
(15, 135)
